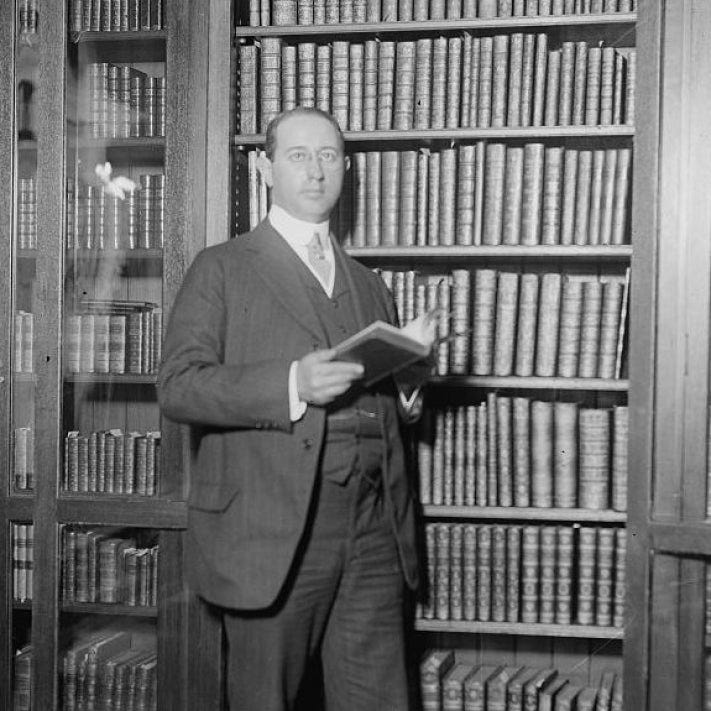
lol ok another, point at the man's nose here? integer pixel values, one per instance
(314, 168)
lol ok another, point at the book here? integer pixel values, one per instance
(433, 668)
(382, 349)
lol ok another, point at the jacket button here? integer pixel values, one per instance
(315, 345)
(307, 443)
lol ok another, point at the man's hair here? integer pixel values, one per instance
(270, 141)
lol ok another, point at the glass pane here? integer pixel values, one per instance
(26, 245)
(21, 536)
(112, 573)
(114, 258)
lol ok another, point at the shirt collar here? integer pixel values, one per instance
(297, 233)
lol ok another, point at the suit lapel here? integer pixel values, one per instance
(273, 261)
(355, 285)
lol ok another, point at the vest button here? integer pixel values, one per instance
(307, 443)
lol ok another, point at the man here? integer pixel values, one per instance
(300, 511)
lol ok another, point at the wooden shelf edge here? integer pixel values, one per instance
(520, 629)
(513, 382)
(463, 134)
(122, 510)
(457, 252)
(99, 608)
(117, 379)
(138, 254)
(143, 142)
(524, 513)
(100, 36)
(497, 23)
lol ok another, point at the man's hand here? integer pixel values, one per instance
(320, 379)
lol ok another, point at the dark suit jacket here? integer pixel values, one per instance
(241, 317)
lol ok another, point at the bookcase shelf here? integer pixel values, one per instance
(461, 253)
(123, 37)
(118, 379)
(468, 134)
(96, 608)
(25, 606)
(602, 20)
(133, 255)
(432, 511)
(140, 149)
(512, 382)
(520, 629)
(121, 510)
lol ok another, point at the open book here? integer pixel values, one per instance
(382, 349)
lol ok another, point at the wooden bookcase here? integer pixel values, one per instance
(49, 275)
(663, 643)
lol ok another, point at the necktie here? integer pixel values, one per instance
(317, 259)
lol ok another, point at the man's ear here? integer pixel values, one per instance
(264, 166)
(347, 162)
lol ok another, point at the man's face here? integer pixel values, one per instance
(306, 170)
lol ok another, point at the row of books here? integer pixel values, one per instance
(112, 462)
(22, 561)
(114, 337)
(23, 351)
(444, 82)
(116, 15)
(23, 459)
(103, 566)
(480, 193)
(109, 669)
(504, 323)
(27, 11)
(22, 679)
(516, 451)
(448, 684)
(26, 214)
(99, 220)
(122, 101)
(321, 12)
(525, 574)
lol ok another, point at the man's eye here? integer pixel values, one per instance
(297, 156)
(328, 156)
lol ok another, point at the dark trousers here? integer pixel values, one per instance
(343, 605)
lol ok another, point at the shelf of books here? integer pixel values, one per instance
(491, 166)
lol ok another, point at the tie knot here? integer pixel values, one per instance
(316, 245)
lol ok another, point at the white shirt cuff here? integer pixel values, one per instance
(297, 407)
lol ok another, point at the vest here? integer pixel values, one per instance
(337, 316)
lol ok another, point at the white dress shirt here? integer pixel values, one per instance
(297, 234)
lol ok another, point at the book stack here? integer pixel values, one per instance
(22, 679)
(516, 451)
(522, 323)
(508, 80)
(27, 214)
(105, 565)
(319, 12)
(448, 684)
(114, 337)
(109, 669)
(124, 102)
(112, 462)
(23, 459)
(23, 342)
(98, 220)
(27, 16)
(551, 574)
(22, 561)
(116, 15)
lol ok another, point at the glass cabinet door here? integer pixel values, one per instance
(112, 329)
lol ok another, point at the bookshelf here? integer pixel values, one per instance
(418, 227)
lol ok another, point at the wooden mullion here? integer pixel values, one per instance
(645, 258)
(698, 261)
(664, 636)
(692, 601)
(50, 128)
